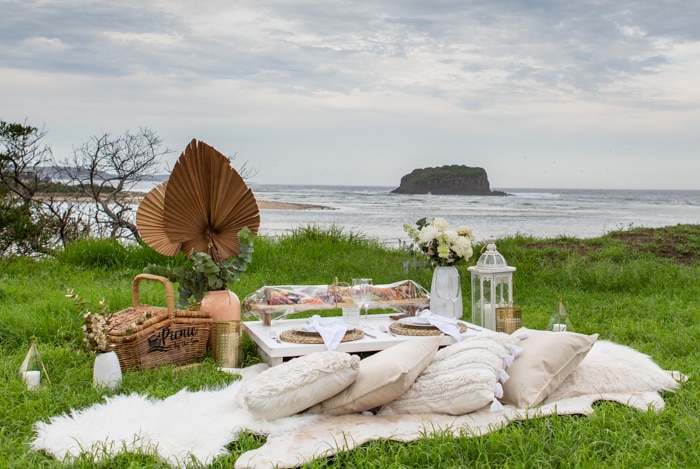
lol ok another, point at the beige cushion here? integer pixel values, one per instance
(296, 385)
(611, 367)
(383, 377)
(547, 359)
(462, 378)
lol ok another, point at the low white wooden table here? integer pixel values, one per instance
(274, 352)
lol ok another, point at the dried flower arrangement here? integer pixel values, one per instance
(96, 324)
(94, 328)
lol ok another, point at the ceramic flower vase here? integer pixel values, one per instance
(446, 292)
(107, 371)
(221, 305)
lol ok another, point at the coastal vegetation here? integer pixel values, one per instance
(638, 287)
(47, 203)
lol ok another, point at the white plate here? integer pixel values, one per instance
(415, 322)
(306, 330)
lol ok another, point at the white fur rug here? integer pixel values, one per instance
(332, 435)
(193, 427)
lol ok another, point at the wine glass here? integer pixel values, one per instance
(361, 293)
(357, 294)
(455, 293)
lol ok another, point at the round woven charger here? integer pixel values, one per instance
(299, 337)
(398, 328)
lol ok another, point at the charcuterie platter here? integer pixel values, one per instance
(274, 302)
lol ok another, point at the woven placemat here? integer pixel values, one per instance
(300, 337)
(398, 328)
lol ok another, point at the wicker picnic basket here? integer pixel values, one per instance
(146, 337)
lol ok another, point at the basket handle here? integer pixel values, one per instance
(169, 293)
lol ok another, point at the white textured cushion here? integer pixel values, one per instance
(611, 367)
(547, 359)
(298, 384)
(462, 377)
(383, 377)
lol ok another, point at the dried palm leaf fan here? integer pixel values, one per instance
(204, 205)
(150, 220)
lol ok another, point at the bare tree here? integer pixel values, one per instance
(45, 203)
(106, 169)
(25, 228)
(21, 155)
(67, 219)
(243, 169)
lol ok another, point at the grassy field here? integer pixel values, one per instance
(638, 287)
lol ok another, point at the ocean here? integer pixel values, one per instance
(542, 213)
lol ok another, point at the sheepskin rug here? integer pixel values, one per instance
(195, 427)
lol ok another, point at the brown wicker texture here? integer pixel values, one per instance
(301, 337)
(146, 337)
(401, 329)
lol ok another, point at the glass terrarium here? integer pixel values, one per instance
(32, 368)
(559, 321)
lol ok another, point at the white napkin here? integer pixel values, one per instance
(447, 325)
(332, 330)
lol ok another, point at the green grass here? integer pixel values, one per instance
(628, 286)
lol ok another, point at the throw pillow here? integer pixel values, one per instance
(547, 359)
(611, 367)
(383, 377)
(462, 378)
(296, 385)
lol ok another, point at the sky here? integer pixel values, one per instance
(541, 94)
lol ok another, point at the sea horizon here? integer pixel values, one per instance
(254, 184)
(152, 180)
(538, 212)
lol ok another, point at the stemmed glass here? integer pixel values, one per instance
(455, 290)
(361, 293)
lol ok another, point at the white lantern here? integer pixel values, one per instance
(492, 286)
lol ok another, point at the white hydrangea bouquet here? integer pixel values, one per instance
(442, 245)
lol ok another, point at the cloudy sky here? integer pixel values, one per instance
(541, 94)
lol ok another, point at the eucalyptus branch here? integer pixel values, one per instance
(205, 274)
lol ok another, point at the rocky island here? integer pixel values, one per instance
(447, 180)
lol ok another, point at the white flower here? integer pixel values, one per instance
(442, 245)
(462, 246)
(451, 235)
(464, 231)
(427, 234)
(440, 223)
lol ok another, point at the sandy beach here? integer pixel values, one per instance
(263, 204)
(135, 198)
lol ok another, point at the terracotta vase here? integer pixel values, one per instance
(221, 305)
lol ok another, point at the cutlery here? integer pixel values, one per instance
(368, 334)
(273, 335)
(386, 330)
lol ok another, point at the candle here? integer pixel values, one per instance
(489, 314)
(559, 328)
(32, 379)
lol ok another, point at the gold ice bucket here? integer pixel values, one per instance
(508, 319)
(228, 344)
